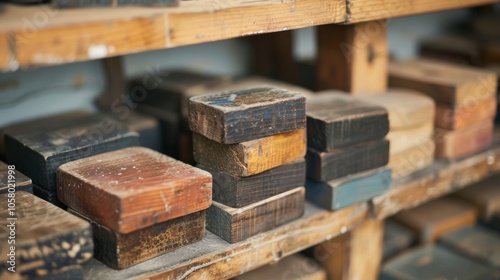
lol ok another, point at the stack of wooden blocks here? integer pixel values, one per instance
(347, 154)
(253, 142)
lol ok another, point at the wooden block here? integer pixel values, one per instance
(434, 262)
(338, 120)
(49, 196)
(258, 81)
(453, 49)
(13, 179)
(413, 159)
(38, 151)
(339, 193)
(47, 238)
(238, 116)
(477, 242)
(404, 139)
(241, 191)
(72, 272)
(295, 267)
(250, 157)
(133, 188)
(406, 108)
(459, 143)
(119, 250)
(397, 239)
(438, 217)
(494, 221)
(485, 195)
(237, 224)
(446, 83)
(452, 118)
(353, 58)
(347, 161)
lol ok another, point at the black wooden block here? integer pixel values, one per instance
(335, 120)
(241, 191)
(13, 180)
(346, 161)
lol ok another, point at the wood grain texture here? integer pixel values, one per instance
(366, 250)
(437, 218)
(238, 116)
(294, 267)
(404, 139)
(347, 161)
(343, 192)
(133, 188)
(237, 224)
(413, 159)
(485, 195)
(238, 192)
(397, 239)
(434, 262)
(250, 157)
(336, 120)
(47, 238)
(459, 143)
(455, 118)
(38, 150)
(120, 251)
(477, 243)
(407, 108)
(353, 58)
(17, 181)
(446, 83)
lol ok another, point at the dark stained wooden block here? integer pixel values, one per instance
(435, 262)
(438, 217)
(133, 188)
(397, 238)
(339, 120)
(237, 224)
(47, 238)
(241, 191)
(118, 250)
(237, 116)
(346, 161)
(339, 193)
(38, 151)
(13, 179)
(446, 83)
(250, 157)
(485, 195)
(475, 242)
(49, 196)
(73, 272)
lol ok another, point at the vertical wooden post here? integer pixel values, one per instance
(116, 82)
(353, 58)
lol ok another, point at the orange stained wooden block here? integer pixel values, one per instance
(449, 117)
(133, 188)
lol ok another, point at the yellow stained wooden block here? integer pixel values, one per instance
(250, 157)
(404, 139)
(412, 159)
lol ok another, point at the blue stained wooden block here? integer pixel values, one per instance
(346, 191)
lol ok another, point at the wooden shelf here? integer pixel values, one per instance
(33, 36)
(213, 258)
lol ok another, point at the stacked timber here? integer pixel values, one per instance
(253, 142)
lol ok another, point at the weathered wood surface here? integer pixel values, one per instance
(332, 256)
(446, 83)
(119, 251)
(237, 224)
(133, 188)
(485, 195)
(243, 115)
(353, 58)
(452, 118)
(413, 159)
(346, 191)
(47, 238)
(39, 150)
(241, 191)
(458, 143)
(347, 161)
(337, 120)
(404, 139)
(296, 267)
(477, 243)
(397, 239)
(438, 217)
(250, 157)
(17, 180)
(435, 262)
